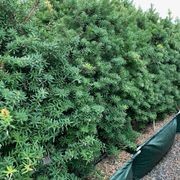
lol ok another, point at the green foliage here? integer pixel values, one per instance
(76, 79)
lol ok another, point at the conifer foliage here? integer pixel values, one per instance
(78, 78)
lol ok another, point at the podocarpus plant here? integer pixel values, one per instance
(51, 118)
(74, 77)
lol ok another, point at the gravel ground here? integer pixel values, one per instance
(169, 167)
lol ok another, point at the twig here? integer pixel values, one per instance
(154, 125)
(36, 3)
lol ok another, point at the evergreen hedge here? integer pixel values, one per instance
(79, 78)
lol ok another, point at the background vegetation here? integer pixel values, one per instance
(79, 78)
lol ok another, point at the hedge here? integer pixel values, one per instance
(80, 78)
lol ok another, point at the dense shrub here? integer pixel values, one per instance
(75, 77)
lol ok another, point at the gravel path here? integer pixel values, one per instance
(169, 167)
